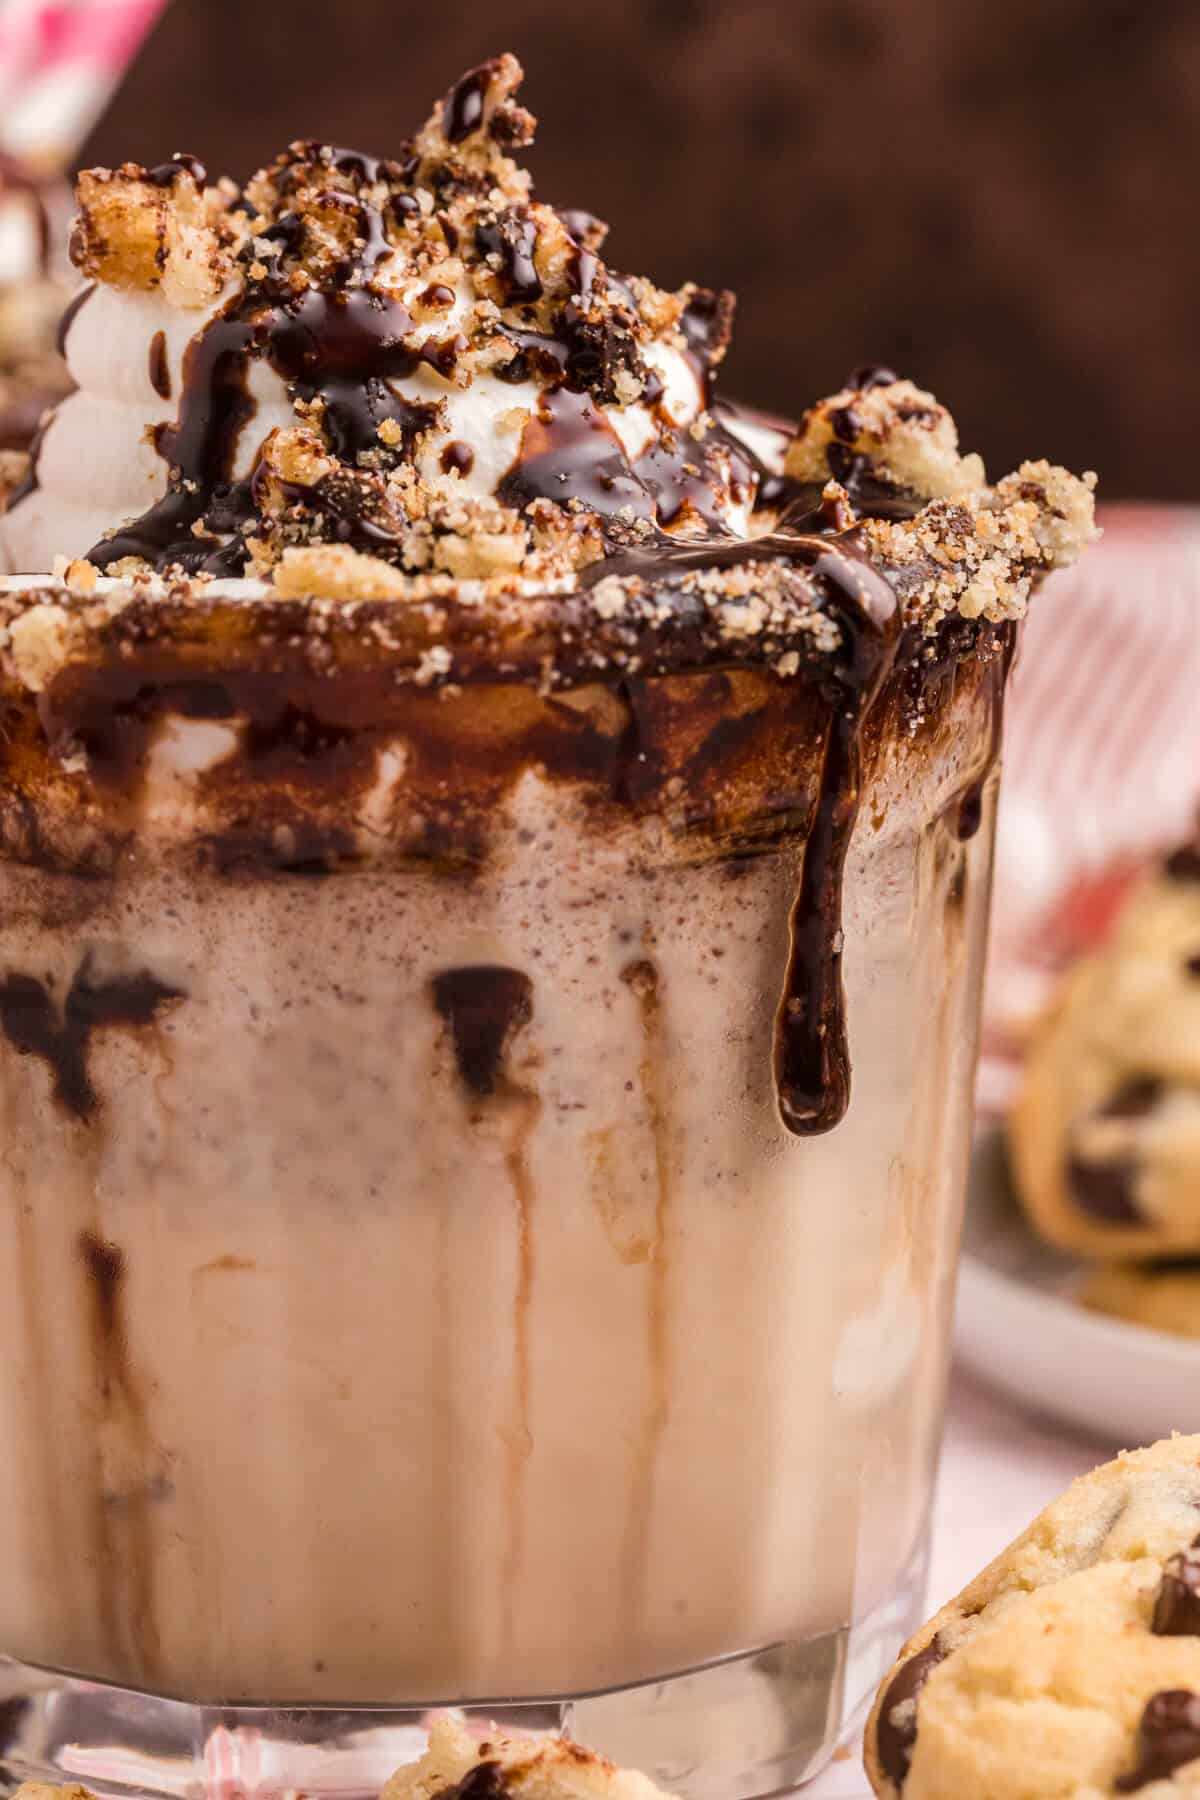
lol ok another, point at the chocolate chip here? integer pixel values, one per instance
(484, 1782)
(1168, 1737)
(894, 1739)
(871, 375)
(845, 424)
(1177, 1609)
(1134, 1098)
(1184, 864)
(1104, 1190)
(462, 110)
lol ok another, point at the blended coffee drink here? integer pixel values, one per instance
(494, 873)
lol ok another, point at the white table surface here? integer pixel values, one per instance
(999, 1468)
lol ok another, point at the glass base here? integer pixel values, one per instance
(740, 1729)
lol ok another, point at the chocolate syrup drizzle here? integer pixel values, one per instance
(158, 367)
(337, 345)
(71, 311)
(344, 343)
(811, 1053)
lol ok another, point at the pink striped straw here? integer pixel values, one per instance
(60, 60)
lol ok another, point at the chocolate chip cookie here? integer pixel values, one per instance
(1070, 1668)
(461, 1765)
(1106, 1131)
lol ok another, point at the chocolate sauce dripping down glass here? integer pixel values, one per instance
(812, 1058)
(811, 1053)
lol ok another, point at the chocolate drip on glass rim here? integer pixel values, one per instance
(811, 1054)
(812, 1059)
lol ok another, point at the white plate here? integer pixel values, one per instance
(1018, 1327)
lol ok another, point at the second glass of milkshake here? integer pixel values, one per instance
(494, 855)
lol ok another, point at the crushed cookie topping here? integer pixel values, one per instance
(476, 397)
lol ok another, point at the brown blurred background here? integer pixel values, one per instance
(999, 199)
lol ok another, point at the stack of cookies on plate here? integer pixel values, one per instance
(1105, 1135)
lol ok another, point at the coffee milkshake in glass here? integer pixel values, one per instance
(494, 852)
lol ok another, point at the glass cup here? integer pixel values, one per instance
(418, 1299)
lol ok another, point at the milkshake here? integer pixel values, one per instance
(495, 856)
